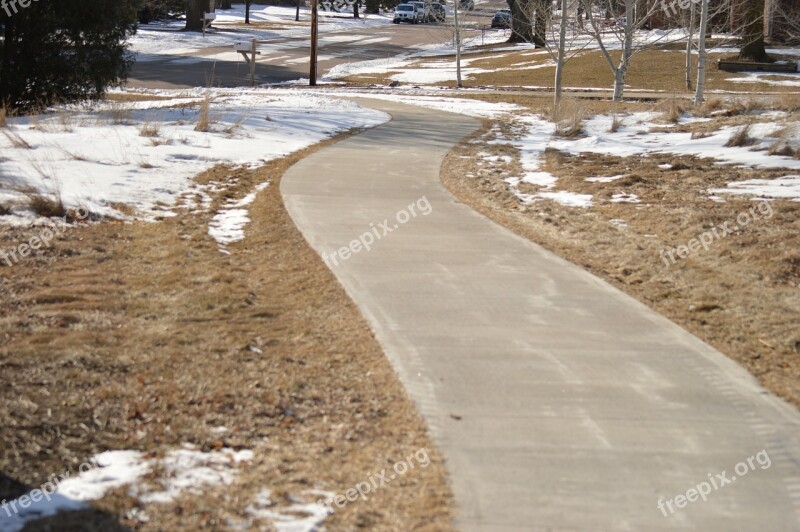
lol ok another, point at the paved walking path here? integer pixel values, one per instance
(559, 402)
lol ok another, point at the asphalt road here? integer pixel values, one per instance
(286, 59)
(559, 402)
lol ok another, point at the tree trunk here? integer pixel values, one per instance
(544, 10)
(701, 54)
(753, 32)
(624, 63)
(689, 49)
(619, 85)
(562, 45)
(247, 11)
(9, 41)
(194, 13)
(521, 20)
(355, 10)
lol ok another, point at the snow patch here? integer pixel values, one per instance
(786, 187)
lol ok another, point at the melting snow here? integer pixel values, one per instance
(786, 187)
(188, 470)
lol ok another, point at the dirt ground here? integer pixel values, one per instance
(145, 336)
(742, 295)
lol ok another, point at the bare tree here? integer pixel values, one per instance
(788, 18)
(752, 16)
(622, 23)
(195, 9)
(570, 42)
(522, 12)
(690, 46)
(701, 54)
(562, 45)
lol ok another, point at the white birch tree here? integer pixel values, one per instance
(624, 29)
(702, 57)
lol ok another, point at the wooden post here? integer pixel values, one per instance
(253, 63)
(312, 77)
(249, 53)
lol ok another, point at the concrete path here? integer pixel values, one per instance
(559, 402)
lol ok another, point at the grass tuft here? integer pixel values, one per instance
(3, 117)
(673, 109)
(47, 206)
(781, 149)
(741, 137)
(568, 115)
(204, 116)
(66, 121)
(616, 123)
(150, 129)
(16, 140)
(711, 106)
(119, 114)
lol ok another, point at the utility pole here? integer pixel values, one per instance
(312, 77)
(297, 13)
(458, 44)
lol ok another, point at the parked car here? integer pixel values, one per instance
(424, 8)
(469, 5)
(439, 14)
(502, 19)
(406, 13)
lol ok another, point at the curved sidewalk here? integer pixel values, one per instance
(559, 402)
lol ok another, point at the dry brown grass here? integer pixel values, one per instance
(16, 140)
(656, 70)
(740, 295)
(66, 121)
(118, 113)
(789, 102)
(134, 97)
(3, 117)
(144, 336)
(741, 137)
(47, 206)
(616, 124)
(781, 149)
(569, 115)
(204, 115)
(673, 109)
(711, 105)
(150, 129)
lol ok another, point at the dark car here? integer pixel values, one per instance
(438, 12)
(502, 19)
(469, 5)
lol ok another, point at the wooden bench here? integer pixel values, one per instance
(743, 66)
